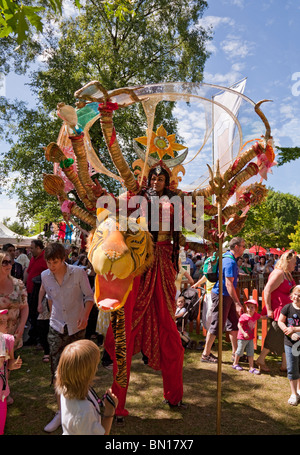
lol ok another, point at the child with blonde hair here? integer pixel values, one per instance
(80, 405)
(289, 322)
(7, 363)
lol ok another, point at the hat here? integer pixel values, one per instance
(254, 302)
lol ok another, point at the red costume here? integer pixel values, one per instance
(150, 327)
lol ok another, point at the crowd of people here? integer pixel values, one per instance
(281, 295)
(56, 284)
(44, 284)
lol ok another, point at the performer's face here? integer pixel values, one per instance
(158, 183)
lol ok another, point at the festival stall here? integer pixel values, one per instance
(8, 236)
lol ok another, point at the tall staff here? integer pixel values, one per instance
(219, 372)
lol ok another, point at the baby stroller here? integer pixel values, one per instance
(192, 304)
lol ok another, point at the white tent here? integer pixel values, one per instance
(8, 236)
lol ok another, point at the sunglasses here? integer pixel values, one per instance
(6, 262)
(290, 254)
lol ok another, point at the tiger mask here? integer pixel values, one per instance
(117, 256)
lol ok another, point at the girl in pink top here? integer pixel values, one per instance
(7, 362)
(246, 325)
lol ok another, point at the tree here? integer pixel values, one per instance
(16, 227)
(295, 238)
(148, 45)
(287, 154)
(17, 18)
(270, 223)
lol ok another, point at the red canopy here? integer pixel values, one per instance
(276, 251)
(258, 250)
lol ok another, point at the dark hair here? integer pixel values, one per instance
(55, 251)
(81, 258)
(38, 243)
(159, 170)
(7, 245)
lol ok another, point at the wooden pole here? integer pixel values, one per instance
(220, 331)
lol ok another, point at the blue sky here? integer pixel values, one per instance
(257, 39)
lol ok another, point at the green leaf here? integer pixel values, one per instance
(287, 154)
(33, 17)
(56, 6)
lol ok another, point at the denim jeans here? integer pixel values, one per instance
(245, 344)
(292, 362)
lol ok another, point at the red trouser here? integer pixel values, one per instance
(169, 344)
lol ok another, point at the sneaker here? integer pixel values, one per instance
(237, 367)
(293, 400)
(54, 424)
(254, 371)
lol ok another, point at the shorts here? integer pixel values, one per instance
(245, 344)
(274, 340)
(230, 317)
(57, 342)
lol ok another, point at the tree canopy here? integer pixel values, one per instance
(270, 223)
(287, 154)
(156, 41)
(295, 238)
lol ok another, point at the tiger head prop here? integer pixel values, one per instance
(119, 250)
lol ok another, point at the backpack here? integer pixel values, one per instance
(211, 266)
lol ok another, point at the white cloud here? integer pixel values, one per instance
(224, 79)
(238, 67)
(287, 111)
(239, 3)
(215, 21)
(288, 132)
(236, 47)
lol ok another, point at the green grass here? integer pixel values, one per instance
(254, 405)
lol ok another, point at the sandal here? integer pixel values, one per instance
(254, 371)
(46, 358)
(263, 367)
(209, 358)
(237, 367)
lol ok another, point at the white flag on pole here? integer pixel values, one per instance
(224, 124)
